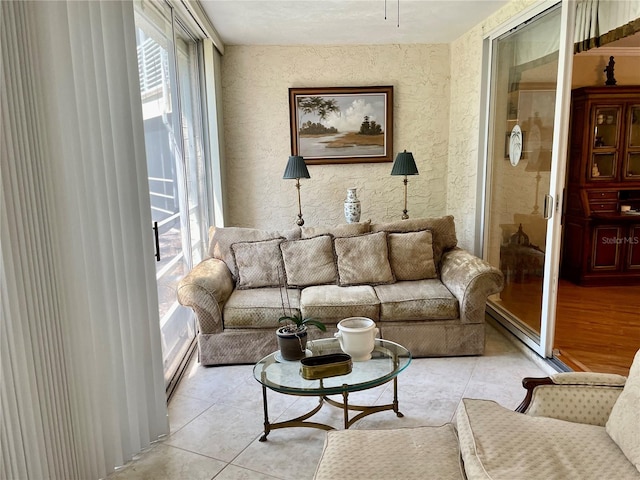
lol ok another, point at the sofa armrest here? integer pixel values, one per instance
(206, 289)
(471, 280)
(581, 397)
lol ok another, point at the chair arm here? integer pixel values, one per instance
(206, 289)
(581, 397)
(471, 280)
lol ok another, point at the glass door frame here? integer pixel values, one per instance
(544, 344)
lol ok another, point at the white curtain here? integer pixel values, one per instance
(602, 21)
(81, 387)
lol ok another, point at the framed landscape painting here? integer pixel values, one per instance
(342, 124)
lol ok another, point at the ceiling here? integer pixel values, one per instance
(340, 22)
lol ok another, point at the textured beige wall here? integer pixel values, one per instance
(256, 80)
(464, 118)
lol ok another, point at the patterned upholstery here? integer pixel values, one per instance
(582, 397)
(497, 443)
(259, 264)
(346, 230)
(333, 303)
(624, 422)
(443, 230)
(363, 260)
(416, 300)
(309, 261)
(221, 239)
(259, 308)
(411, 255)
(406, 454)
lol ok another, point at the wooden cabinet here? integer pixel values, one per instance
(601, 242)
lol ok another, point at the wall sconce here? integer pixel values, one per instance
(296, 168)
(404, 165)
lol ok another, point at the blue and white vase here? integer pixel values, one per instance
(352, 208)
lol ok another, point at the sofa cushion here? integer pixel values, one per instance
(259, 307)
(403, 453)
(417, 300)
(332, 303)
(363, 260)
(259, 264)
(310, 261)
(411, 255)
(497, 443)
(443, 230)
(623, 425)
(342, 230)
(221, 239)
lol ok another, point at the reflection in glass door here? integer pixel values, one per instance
(524, 73)
(168, 67)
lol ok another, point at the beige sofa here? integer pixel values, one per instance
(407, 276)
(571, 426)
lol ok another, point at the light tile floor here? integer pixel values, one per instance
(216, 415)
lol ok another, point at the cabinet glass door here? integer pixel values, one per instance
(605, 143)
(632, 166)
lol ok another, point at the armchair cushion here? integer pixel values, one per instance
(411, 255)
(309, 261)
(259, 263)
(363, 260)
(624, 422)
(497, 443)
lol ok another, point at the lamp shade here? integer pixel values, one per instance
(404, 164)
(296, 168)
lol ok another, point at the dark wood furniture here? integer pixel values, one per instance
(601, 244)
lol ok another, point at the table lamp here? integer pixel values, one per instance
(404, 165)
(296, 168)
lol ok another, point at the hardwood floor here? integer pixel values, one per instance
(597, 328)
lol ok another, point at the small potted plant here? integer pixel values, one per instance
(292, 337)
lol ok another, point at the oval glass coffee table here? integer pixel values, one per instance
(387, 361)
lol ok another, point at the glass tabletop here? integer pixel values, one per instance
(387, 361)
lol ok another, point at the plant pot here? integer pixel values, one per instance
(357, 337)
(293, 346)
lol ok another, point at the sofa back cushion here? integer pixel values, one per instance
(411, 255)
(221, 239)
(363, 260)
(344, 230)
(259, 264)
(623, 425)
(443, 230)
(309, 261)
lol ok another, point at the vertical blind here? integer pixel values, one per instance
(82, 387)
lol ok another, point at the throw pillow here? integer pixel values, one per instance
(309, 261)
(259, 263)
(221, 239)
(411, 255)
(623, 425)
(363, 260)
(443, 230)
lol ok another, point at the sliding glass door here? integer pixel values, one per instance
(521, 194)
(168, 60)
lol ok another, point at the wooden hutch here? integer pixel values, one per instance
(601, 244)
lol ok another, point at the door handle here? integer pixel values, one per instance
(157, 238)
(548, 206)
